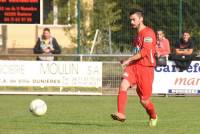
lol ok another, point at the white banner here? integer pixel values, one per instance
(169, 80)
(50, 73)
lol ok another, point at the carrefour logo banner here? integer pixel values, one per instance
(169, 80)
(50, 73)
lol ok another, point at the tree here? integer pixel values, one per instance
(192, 20)
(66, 12)
(105, 18)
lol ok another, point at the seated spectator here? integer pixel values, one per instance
(162, 48)
(183, 52)
(47, 45)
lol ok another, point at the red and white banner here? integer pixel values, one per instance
(168, 80)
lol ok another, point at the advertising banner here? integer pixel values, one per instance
(169, 80)
(50, 73)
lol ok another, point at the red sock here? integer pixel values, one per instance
(150, 110)
(122, 99)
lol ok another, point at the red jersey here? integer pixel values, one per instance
(145, 42)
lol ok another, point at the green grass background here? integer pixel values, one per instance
(91, 115)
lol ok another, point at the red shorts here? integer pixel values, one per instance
(143, 77)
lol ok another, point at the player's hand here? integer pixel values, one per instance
(121, 62)
(124, 63)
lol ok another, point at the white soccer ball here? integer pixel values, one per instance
(38, 107)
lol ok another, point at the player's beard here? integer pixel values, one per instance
(134, 26)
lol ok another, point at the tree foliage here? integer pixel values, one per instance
(105, 16)
(66, 12)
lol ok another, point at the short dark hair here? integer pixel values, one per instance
(186, 31)
(139, 12)
(46, 29)
(160, 30)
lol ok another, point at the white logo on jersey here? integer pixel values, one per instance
(148, 39)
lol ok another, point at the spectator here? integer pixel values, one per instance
(46, 44)
(162, 49)
(183, 52)
(162, 46)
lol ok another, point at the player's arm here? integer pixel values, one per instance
(184, 51)
(132, 58)
(145, 50)
(188, 51)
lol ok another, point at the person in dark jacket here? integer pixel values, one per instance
(183, 52)
(47, 45)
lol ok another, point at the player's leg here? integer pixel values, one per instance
(127, 82)
(150, 109)
(121, 102)
(148, 105)
(144, 90)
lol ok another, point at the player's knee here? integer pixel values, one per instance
(144, 102)
(124, 85)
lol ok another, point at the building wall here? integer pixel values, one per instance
(21, 36)
(25, 36)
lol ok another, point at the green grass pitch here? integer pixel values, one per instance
(91, 115)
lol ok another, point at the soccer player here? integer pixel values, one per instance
(139, 69)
